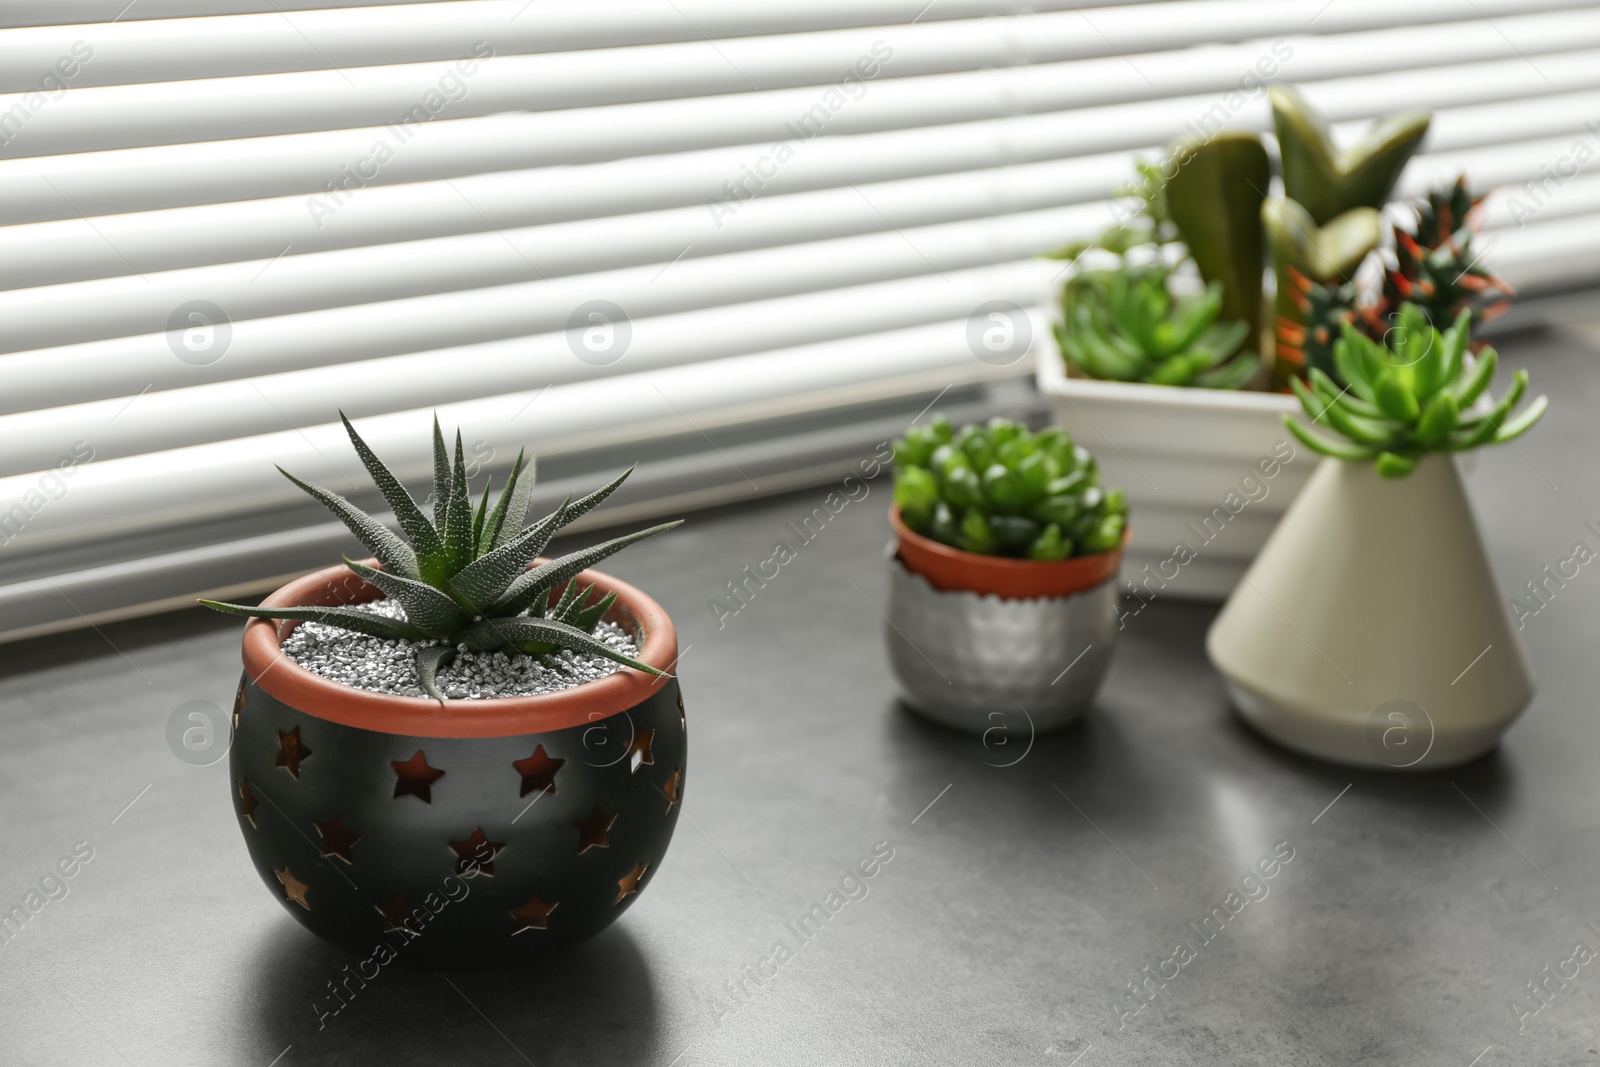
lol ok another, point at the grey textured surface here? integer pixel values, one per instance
(1019, 900)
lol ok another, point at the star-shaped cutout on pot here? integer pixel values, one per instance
(672, 789)
(247, 802)
(534, 915)
(538, 772)
(291, 752)
(337, 838)
(293, 888)
(639, 751)
(476, 851)
(683, 720)
(238, 704)
(592, 831)
(415, 778)
(628, 884)
(396, 914)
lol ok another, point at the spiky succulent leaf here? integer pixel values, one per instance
(497, 517)
(458, 514)
(428, 609)
(430, 661)
(1435, 267)
(586, 619)
(441, 476)
(492, 634)
(362, 622)
(382, 542)
(585, 504)
(478, 519)
(569, 599)
(483, 581)
(478, 558)
(530, 586)
(418, 530)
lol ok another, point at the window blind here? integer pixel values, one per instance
(743, 243)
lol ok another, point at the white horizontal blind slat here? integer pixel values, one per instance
(931, 65)
(132, 52)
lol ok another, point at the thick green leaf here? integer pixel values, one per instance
(569, 600)
(441, 477)
(528, 587)
(428, 609)
(585, 504)
(1439, 418)
(484, 581)
(1231, 375)
(1394, 399)
(458, 515)
(1362, 431)
(361, 622)
(1325, 446)
(1349, 358)
(1482, 374)
(1455, 348)
(492, 634)
(496, 520)
(1328, 392)
(381, 541)
(424, 538)
(1214, 199)
(1523, 422)
(1394, 465)
(430, 661)
(586, 619)
(478, 519)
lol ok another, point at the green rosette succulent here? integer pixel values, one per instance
(1126, 326)
(463, 577)
(1000, 490)
(1414, 394)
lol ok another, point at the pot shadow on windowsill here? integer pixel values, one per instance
(594, 1003)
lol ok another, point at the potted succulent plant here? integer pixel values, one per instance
(1369, 630)
(1180, 393)
(1002, 578)
(400, 718)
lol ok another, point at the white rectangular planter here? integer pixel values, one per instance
(1208, 472)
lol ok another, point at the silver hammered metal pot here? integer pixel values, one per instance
(962, 657)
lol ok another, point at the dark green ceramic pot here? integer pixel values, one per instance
(474, 833)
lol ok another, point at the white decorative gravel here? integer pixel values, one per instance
(380, 666)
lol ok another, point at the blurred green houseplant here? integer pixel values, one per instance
(1416, 393)
(1001, 490)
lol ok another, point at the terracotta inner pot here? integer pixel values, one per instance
(953, 570)
(281, 677)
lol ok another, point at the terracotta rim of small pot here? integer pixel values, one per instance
(953, 570)
(294, 685)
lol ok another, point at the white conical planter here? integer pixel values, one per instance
(1369, 629)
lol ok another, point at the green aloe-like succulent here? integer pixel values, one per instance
(1126, 326)
(463, 577)
(1414, 394)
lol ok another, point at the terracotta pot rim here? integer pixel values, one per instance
(1005, 576)
(309, 692)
